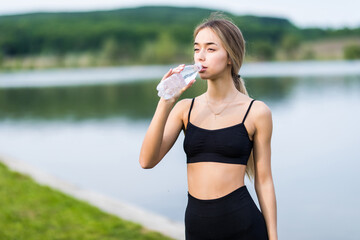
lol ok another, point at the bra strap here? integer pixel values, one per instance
(248, 110)
(192, 103)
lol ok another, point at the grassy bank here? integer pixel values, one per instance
(30, 211)
(324, 49)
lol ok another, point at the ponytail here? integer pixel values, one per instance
(240, 86)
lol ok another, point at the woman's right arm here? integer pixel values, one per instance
(164, 128)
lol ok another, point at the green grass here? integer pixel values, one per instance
(31, 211)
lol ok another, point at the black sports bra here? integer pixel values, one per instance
(226, 145)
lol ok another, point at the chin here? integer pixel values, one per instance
(203, 75)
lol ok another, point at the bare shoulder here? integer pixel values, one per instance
(183, 104)
(182, 107)
(261, 109)
(262, 114)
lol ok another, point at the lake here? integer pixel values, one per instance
(89, 132)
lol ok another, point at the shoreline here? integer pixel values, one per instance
(107, 204)
(129, 74)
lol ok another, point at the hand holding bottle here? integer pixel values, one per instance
(178, 80)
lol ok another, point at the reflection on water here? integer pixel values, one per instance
(88, 136)
(79, 103)
(129, 100)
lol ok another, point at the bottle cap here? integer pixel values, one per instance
(198, 66)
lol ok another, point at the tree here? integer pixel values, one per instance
(262, 50)
(290, 44)
(1, 58)
(162, 51)
(110, 49)
(352, 52)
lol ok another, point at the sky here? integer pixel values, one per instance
(304, 13)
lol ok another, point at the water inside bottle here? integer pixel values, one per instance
(171, 85)
(190, 72)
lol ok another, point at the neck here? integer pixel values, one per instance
(221, 89)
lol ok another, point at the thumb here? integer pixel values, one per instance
(188, 86)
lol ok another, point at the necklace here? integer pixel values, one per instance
(215, 114)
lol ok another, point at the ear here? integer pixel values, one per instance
(229, 59)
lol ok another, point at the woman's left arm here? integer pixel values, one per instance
(264, 185)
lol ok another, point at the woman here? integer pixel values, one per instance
(220, 148)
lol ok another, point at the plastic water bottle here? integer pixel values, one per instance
(173, 84)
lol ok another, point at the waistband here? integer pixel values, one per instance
(241, 191)
(235, 200)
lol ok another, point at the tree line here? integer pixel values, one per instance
(145, 34)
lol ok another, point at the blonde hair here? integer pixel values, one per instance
(234, 44)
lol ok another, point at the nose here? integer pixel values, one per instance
(200, 56)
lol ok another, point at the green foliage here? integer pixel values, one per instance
(264, 29)
(308, 55)
(110, 49)
(142, 35)
(290, 43)
(262, 50)
(352, 52)
(30, 211)
(134, 30)
(162, 50)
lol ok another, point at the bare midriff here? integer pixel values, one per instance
(211, 180)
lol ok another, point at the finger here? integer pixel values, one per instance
(187, 86)
(179, 68)
(192, 82)
(168, 74)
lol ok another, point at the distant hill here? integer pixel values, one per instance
(142, 35)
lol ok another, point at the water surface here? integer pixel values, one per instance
(91, 135)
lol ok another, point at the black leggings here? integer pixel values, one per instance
(234, 216)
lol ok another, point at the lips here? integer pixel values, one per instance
(203, 69)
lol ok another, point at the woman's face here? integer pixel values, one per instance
(209, 51)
